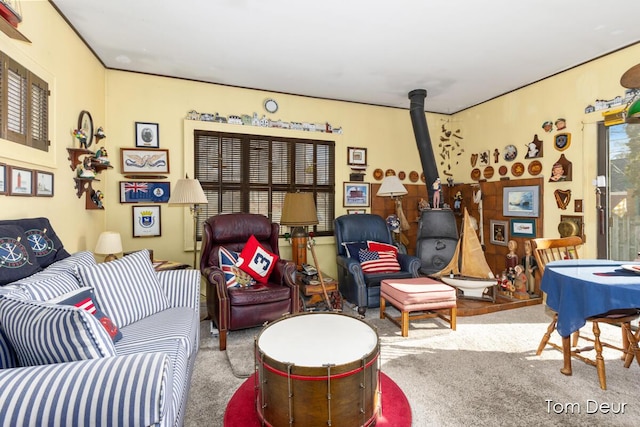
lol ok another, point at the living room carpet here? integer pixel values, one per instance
(396, 412)
(486, 374)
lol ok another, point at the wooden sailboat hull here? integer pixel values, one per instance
(470, 286)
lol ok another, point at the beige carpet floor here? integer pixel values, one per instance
(485, 374)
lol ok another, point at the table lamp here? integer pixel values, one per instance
(188, 192)
(392, 187)
(109, 244)
(298, 212)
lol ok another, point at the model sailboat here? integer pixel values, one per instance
(468, 270)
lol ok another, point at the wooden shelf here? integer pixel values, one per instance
(12, 32)
(84, 185)
(75, 154)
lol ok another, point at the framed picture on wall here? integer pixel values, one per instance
(144, 161)
(44, 184)
(144, 192)
(21, 182)
(499, 232)
(3, 178)
(521, 201)
(147, 135)
(523, 228)
(146, 221)
(356, 156)
(356, 194)
(356, 211)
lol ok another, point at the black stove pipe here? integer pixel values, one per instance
(421, 131)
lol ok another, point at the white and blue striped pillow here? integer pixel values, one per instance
(7, 355)
(42, 333)
(126, 289)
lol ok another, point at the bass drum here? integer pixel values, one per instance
(317, 369)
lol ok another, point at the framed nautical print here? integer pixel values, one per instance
(144, 161)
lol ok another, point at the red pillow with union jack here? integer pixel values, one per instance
(378, 262)
(83, 298)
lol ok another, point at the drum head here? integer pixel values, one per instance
(317, 339)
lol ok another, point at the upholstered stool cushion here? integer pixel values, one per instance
(419, 294)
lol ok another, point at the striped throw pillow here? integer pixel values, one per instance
(378, 262)
(126, 289)
(71, 334)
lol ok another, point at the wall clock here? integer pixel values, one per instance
(85, 124)
(271, 105)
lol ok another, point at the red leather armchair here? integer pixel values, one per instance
(240, 308)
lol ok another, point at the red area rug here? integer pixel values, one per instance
(396, 412)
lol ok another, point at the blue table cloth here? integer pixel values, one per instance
(581, 288)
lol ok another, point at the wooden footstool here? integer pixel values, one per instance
(422, 296)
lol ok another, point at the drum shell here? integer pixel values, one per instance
(347, 394)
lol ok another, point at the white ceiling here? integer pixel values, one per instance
(463, 52)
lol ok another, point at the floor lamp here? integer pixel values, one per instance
(298, 212)
(188, 192)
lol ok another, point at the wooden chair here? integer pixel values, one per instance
(546, 250)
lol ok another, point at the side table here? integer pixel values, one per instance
(311, 294)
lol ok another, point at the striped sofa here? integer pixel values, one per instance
(59, 363)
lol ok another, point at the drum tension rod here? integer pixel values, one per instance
(329, 366)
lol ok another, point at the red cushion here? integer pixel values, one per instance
(381, 247)
(256, 260)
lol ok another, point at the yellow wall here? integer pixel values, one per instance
(118, 99)
(515, 118)
(76, 81)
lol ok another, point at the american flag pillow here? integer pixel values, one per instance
(378, 262)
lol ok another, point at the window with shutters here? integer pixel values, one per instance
(251, 173)
(24, 105)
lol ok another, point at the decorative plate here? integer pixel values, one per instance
(517, 169)
(475, 174)
(389, 172)
(378, 174)
(402, 175)
(413, 176)
(488, 172)
(423, 178)
(510, 153)
(535, 167)
(503, 170)
(631, 267)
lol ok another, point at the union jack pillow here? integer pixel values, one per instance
(378, 262)
(233, 276)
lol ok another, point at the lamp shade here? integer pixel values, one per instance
(391, 187)
(188, 192)
(299, 210)
(109, 243)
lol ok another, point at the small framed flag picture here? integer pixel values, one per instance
(144, 192)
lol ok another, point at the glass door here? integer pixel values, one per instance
(619, 210)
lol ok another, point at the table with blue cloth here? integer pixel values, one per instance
(580, 288)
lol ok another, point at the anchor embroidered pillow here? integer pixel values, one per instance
(256, 260)
(17, 259)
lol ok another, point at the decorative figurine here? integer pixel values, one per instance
(100, 134)
(101, 156)
(96, 198)
(81, 137)
(530, 266)
(511, 260)
(457, 202)
(520, 283)
(437, 189)
(86, 169)
(423, 205)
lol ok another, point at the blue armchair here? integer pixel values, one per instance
(359, 288)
